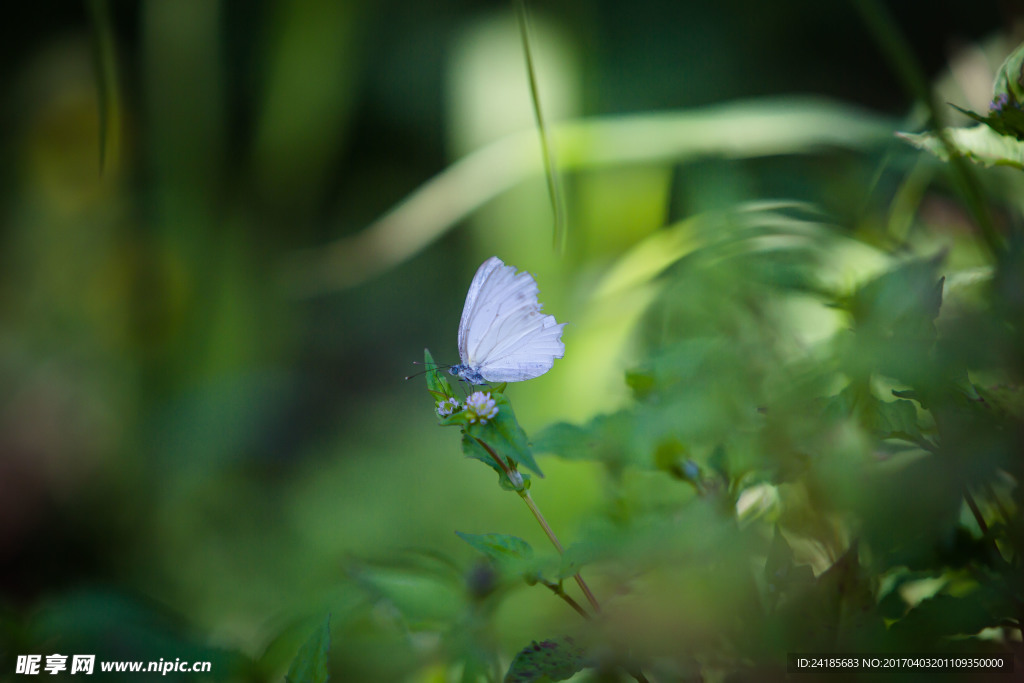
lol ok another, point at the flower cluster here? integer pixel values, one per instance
(480, 407)
(999, 102)
(448, 407)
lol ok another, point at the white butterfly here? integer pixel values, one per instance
(503, 336)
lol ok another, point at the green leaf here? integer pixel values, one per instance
(504, 436)
(606, 438)
(902, 301)
(421, 596)
(566, 440)
(641, 382)
(981, 144)
(1000, 138)
(498, 547)
(310, 664)
(437, 383)
(472, 448)
(945, 615)
(511, 554)
(114, 624)
(577, 556)
(1005, 400)
(1006, 120)
(548, 660)
(884, 419)
(897, 419)
(1010, 77)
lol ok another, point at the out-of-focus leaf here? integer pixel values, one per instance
(926, 499)
(946, 615)
(1005, 399)
(901, 301)
(980, 144)
(897, 419)
(311, 663)
(884, 419)
(837, 610)
(579, 555)
(511, 554)
(641, 381)
(606, 438)
(548, 660)
(745, 129)
(118, 627)
(424, 599)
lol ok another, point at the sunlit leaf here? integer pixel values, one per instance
(980, 144)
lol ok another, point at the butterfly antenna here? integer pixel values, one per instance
(423, 372)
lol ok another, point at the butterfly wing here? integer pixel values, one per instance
(503, 334)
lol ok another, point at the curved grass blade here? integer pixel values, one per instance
(547, 149)
(109, 94)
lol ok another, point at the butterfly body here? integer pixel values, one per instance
(467, 374)
(503, 336)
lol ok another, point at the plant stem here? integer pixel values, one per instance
(637, 673)
(978, 517)
(557, 589)
(639, 676)
(525, 495)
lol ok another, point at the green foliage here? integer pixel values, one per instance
(981, 144)
(1006, 116)
(504, 435)
(511, 554)
(999, 139)
(483, 440)
(547, 660)
(613, 439)
(93, 621)
(817, 454)
(853, 467)
(437, 384)
(311, 663)
(816, 445)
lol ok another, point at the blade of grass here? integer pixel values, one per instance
(547, 149)
(739, 130)
(109, 94)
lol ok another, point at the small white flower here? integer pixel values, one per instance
(448, 406)
(481, 407)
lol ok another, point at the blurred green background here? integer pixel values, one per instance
(210, 289)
